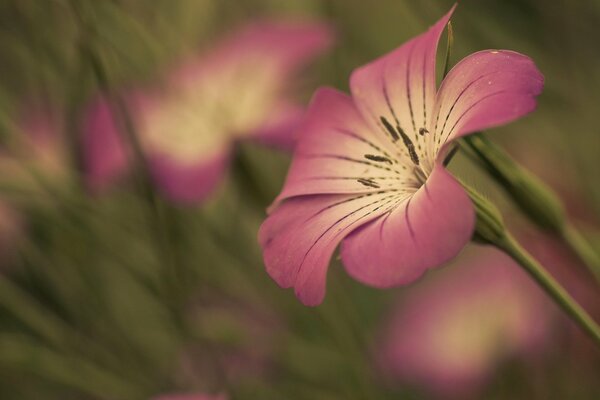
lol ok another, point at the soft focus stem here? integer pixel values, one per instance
(160, 221)
(490, 229)
(535, 199)
(511, 247)
(582, 248)
(54, 330)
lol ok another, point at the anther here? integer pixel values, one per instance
(368, 182)
(390, 129)
(410, 147)
(423, 131)
(378, 158)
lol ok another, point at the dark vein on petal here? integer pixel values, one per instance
(361, 196)
(454, 104)
(396, 178)
(469, 109)
(386, 96)
(362, 139)
(368, 183)
(408, 95)
(424, 87)
(389, 212)
(350, 159)
(340, 220)
(410, 229)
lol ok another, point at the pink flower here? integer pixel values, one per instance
(187, 128)
(450, 333)
(368, 172)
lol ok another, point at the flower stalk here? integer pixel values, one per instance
(490, 229)
(535, 199)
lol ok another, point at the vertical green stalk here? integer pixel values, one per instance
(490, 229)
(511, 247)
(582, 248)
(535, 199)
(173, 277)
(162, 219)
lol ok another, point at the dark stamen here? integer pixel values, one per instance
(423, 131)
(420, 175)
(378, 158)
(368, 183)
(390, 129)
(410, 147)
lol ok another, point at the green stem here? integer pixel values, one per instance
(157, 213)
(511, 247)
(536, 200)
(580, 246)
(449, 46)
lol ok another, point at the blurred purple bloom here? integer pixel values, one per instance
(368, 171)
(450, 333)
(187, 128)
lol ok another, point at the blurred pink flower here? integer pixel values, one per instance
(191, 397)
(37, 151)
(33, 161)
(368, 168)
(450, 333)
(187, 129)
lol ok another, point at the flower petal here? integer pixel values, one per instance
(485, 89)
(427, 230)
(289, 44)
(331, 149)
(300, 235)
(189, 183)
(233, 92)
(401, 85)
(104, 154)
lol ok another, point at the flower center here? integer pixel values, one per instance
(396, 133)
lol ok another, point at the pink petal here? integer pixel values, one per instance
(104, 154)
(294, 43)
(290, 44)
(185, 183)
(425, 231)
(332, 143)
(299, 237)
(484, 90)
(401, 85)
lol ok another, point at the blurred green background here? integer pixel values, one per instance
(84, 313)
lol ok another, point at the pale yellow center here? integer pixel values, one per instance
(199, 118)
